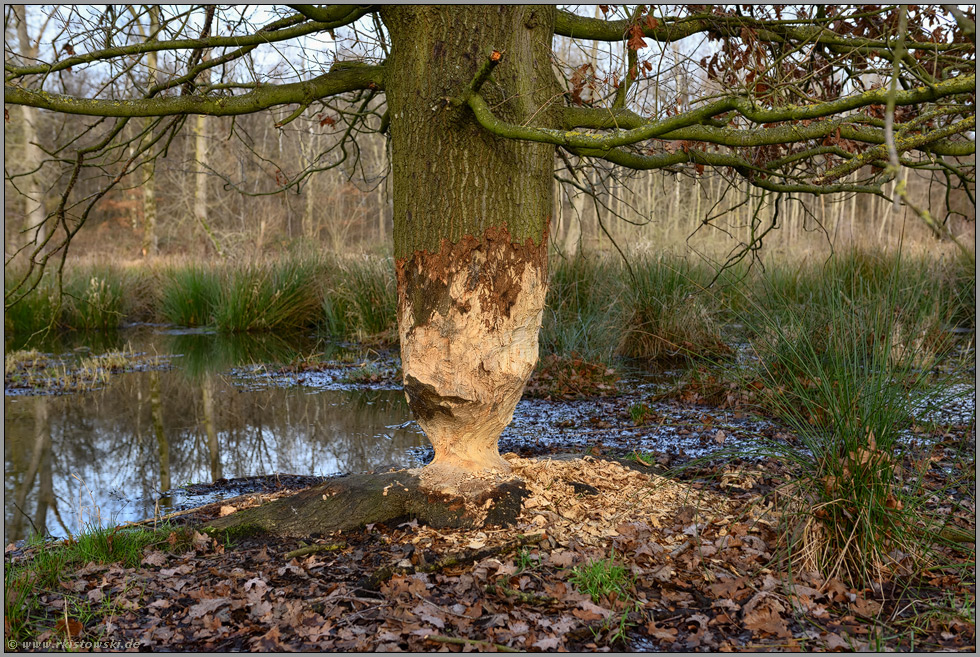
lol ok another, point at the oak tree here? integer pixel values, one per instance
(481, 114)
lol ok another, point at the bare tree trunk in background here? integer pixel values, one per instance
(309, 209)
(150, 239)
(573, 234)
(34, 213)
(207, 402)
(201, 179)
(163, 445)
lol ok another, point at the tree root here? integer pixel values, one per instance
(349, 503)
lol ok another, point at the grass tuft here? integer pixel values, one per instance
(671, 313)
(277, 296)
(360, 302)
(847, 373)
(603, 578)
(51, 564)
(189, 295)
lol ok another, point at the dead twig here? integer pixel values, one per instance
(313, 549)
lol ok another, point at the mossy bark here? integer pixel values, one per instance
(471, 215)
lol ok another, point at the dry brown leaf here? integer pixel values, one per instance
(765, 619)
(207, 607)
(662, 633)
(69, 627)
(154, 558)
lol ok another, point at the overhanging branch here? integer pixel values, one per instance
(754, 175)
(674, 29)
(341, 79)
(692, 119)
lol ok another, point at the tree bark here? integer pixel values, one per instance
(471, 216)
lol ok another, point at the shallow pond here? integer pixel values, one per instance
(204, 408)
(111, 454)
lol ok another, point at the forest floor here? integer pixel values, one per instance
(607, 555)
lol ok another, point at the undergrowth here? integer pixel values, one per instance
(845, 360)
(48, 570)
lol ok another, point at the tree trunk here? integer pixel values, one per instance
(573, 236)
(35, 227)
(150, 241)
(201, 179)
(471, 215)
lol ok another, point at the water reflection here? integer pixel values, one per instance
(109, 455)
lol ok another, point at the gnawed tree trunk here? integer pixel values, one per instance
(471, 214)
(471, 217)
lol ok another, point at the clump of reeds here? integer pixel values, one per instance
(840, 361)
(360, 301)
(94, 299)
(584, 313)
(280, 295)
(670, 312)
(188, 295)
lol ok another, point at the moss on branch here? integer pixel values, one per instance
(903, 144)
(339, 80)
(692, 120)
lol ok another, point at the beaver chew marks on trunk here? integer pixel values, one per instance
(468, 320)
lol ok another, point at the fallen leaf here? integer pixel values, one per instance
(226, 510)
(200, 541)
(548, 643)
(269, 642)
(69, 627)
(154, 558)
(260, 610)
(662, 633)
(764, 619)
(207, 607)
(182, 569)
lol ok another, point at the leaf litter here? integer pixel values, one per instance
(699, 558)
